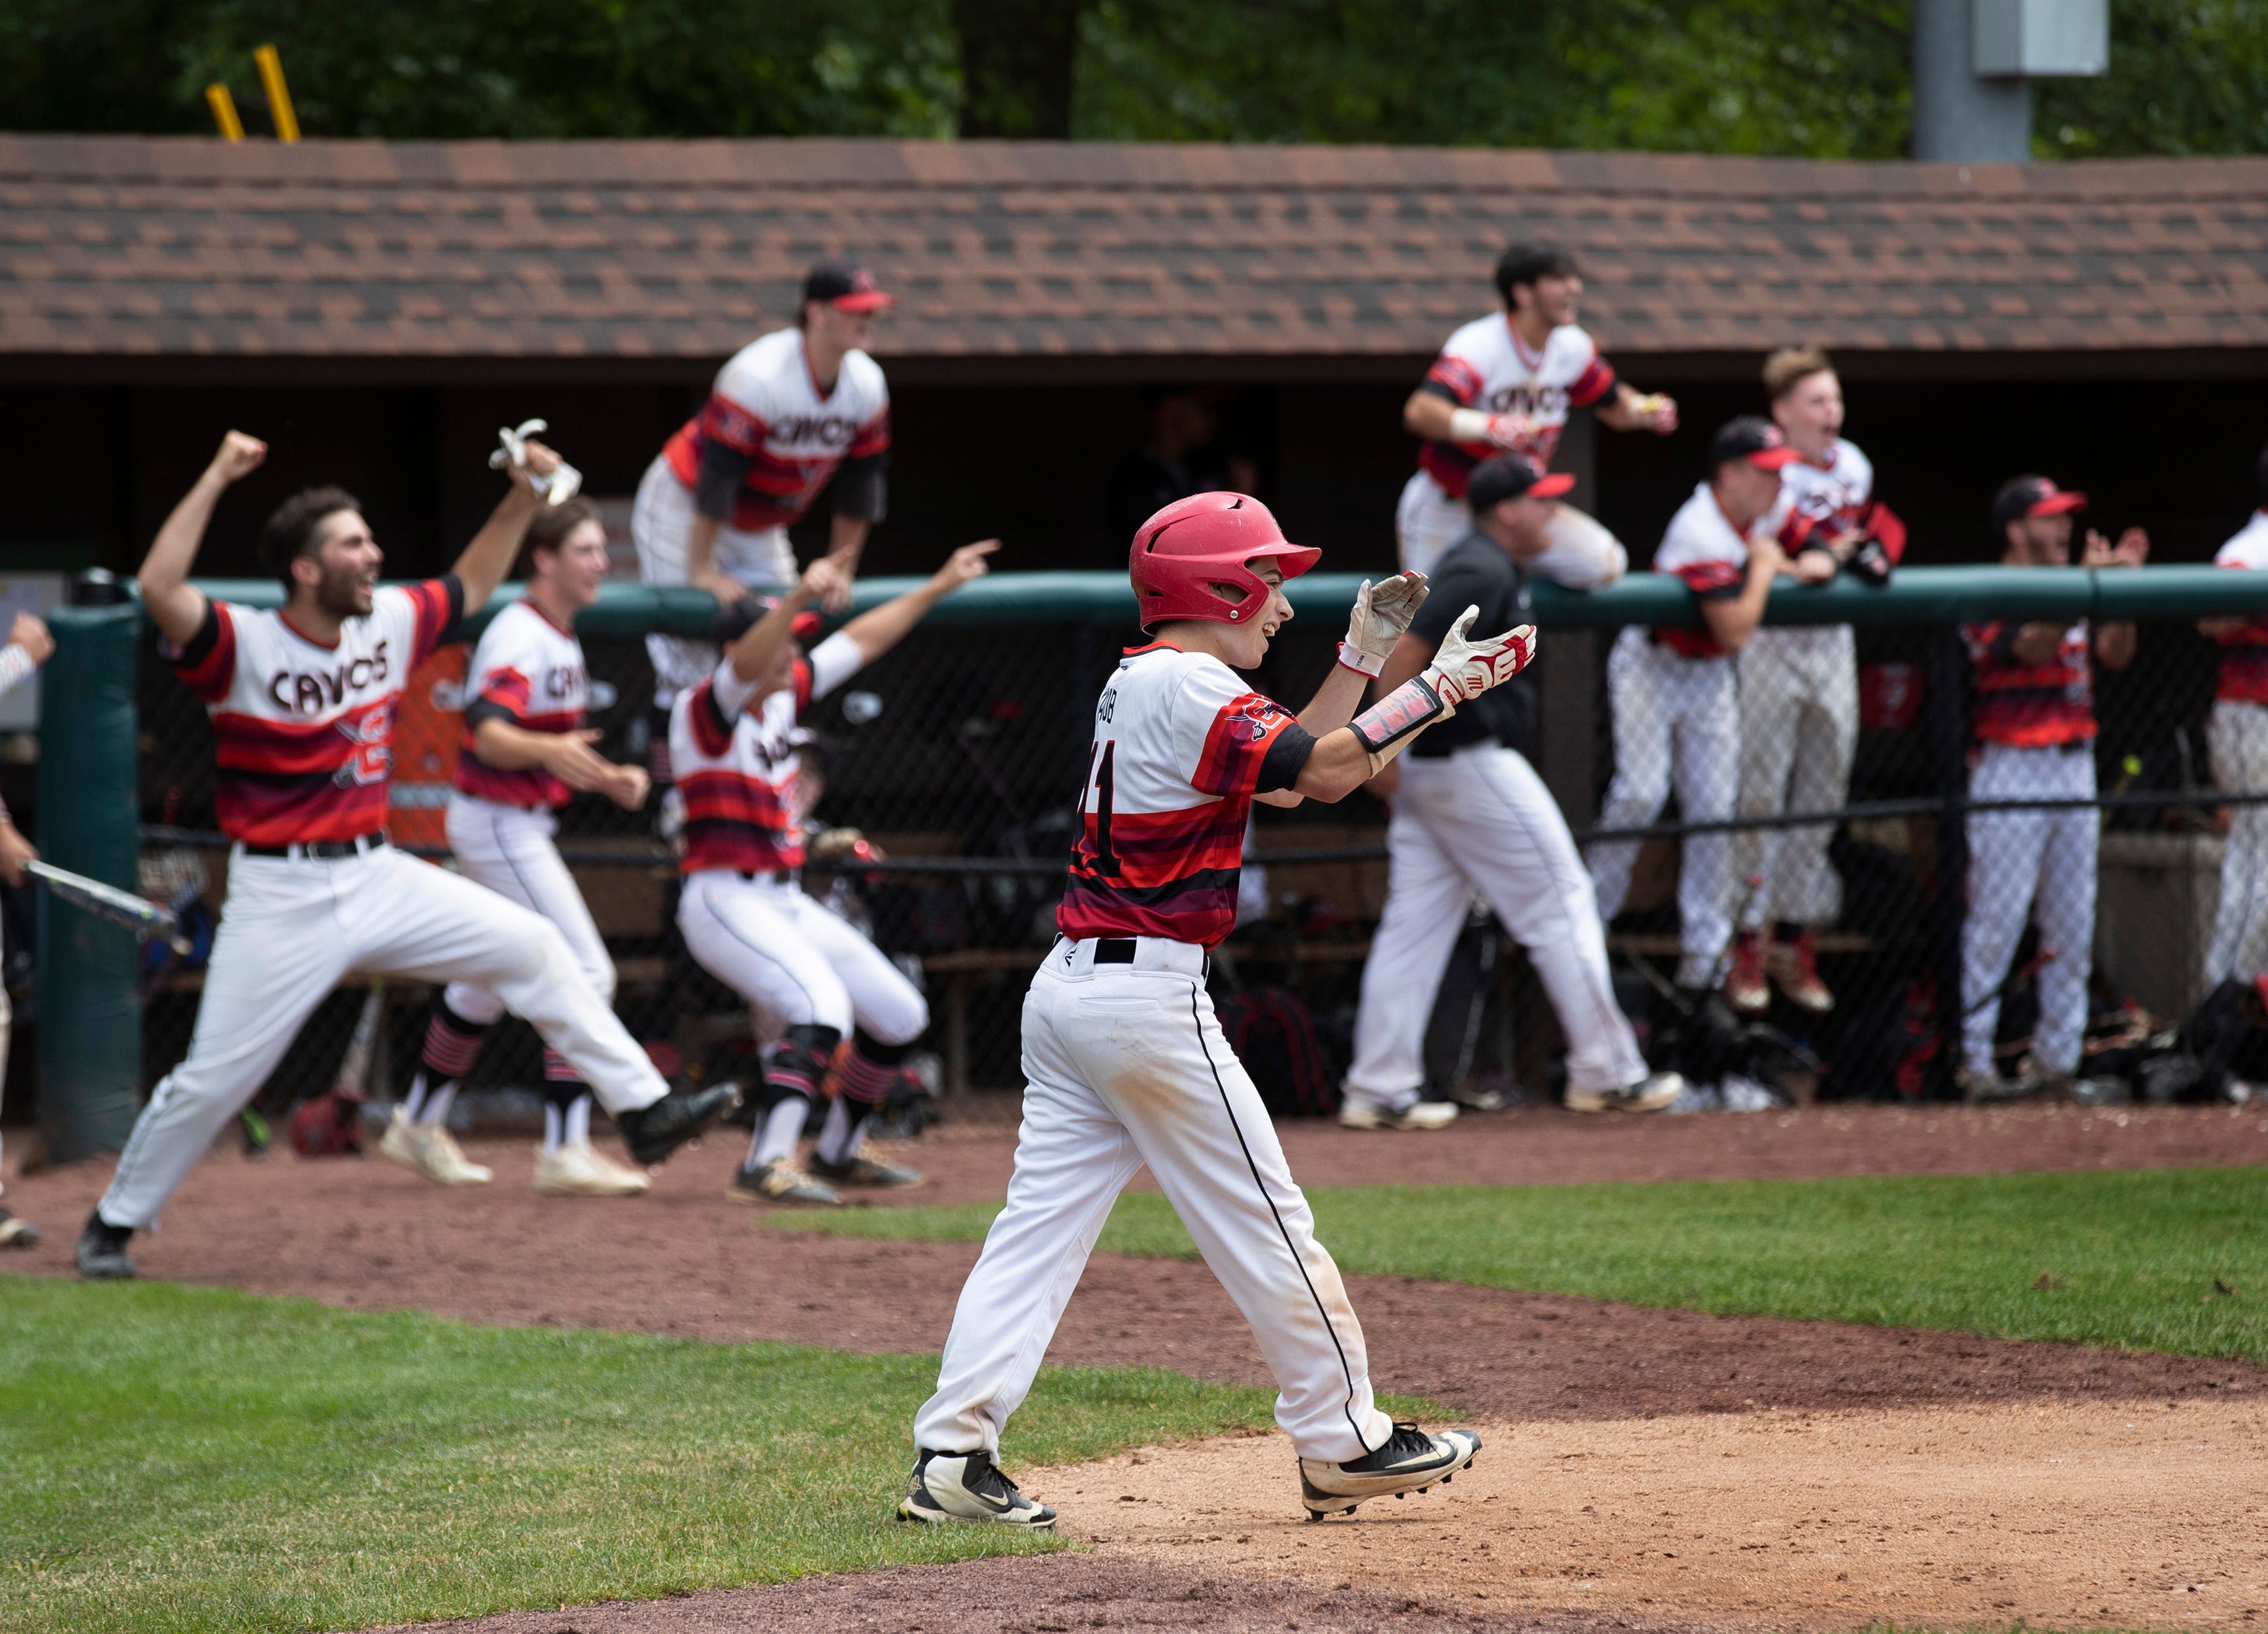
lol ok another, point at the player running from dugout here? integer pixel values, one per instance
(1800, 689)
(2236, 735)
(2034, 723)
(1470, 814)
(787, 414)
(1125, 1061)
(303, 703)
(744, 912)
(525, 752)
(1675, 703)
(1507, 382)
(29, 646)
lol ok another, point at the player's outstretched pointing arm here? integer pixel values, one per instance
(489, 556)
(176, 607)
(880, 631)
(1461, 669)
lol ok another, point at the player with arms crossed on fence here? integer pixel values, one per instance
(29, 646)
(2237, 736)
(526, 753)
(1125, 1061)
(303, 703)
(1508, 381)
(744, 912)
(1800, 689)
(1471, 815)
(1676, 702)
(2034, 723)
(787, 414)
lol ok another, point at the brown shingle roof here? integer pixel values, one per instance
(644, 249)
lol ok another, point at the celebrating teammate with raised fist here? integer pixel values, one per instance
(303, 703)
(1126, 1061)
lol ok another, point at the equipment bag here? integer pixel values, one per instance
(1274, 1036)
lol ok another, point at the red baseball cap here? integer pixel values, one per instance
(1751, 437)
(2033, 496)
(846, 286)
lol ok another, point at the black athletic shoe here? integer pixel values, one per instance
(653, 1132)
(102, 1251)
(1410, 1462)
(861, 1170)
(15, 1231)
(968, 1486)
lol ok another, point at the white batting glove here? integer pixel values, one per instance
(560, 485)
(1475, 426)
(1381, 613)
(1463, 669)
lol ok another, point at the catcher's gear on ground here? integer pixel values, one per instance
(1206, 539)
(1381, 613)
(1410, 1462)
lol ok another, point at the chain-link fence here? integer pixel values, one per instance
(1825, 956)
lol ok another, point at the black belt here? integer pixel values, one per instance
(322, 851)
(1114, 950)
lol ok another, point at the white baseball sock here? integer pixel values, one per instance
(778, 1134)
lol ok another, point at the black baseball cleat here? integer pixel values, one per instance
(653, 1132)
(861, 1170)
(968, 1486)
(102, 1251)
(1410, 1462)
(15, 1231)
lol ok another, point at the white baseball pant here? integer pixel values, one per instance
(1799, 730)
(662, 517)
(1126, 1065)
(291, 931)
(1481, 820)
(2030, 864)
(1673, 716)
(1582, 554)
(509, 850)
(2236, 736)
(784, 951)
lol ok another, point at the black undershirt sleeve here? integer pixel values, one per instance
(862, 487)
(1286, 760)
(722, 471)
(1434, 388)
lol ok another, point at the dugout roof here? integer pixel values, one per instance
(129, 247)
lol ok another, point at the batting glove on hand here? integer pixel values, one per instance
(1463, 669)
(1381, 613)
(561, 483)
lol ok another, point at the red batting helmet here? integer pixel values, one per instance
(1205, 540)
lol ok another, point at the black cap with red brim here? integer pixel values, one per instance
(1512, 477)
(2033, 496)
(1751, 437)
(845, 286)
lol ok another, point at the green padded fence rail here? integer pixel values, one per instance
(1918, 595)
(90, 1016)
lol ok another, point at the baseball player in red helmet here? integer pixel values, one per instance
(1508, 381)
(1125, 1061)
(2237, 736)
(303, 701)
(2034, 723)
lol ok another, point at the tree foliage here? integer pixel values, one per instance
(1821, 78)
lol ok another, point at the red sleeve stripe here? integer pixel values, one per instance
(802, 685)
(436, 605)
(873, 438)
(1593, 384)
(1459, 376)
(1704, 579)
(1237, 743)
(209, 675)
(712, 733)
(732, 425)
(508, 690)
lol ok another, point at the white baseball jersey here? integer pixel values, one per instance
(2244, 655)
(736, 766)
(1702, 546)
(528, 673)
(303, 733)
(766, 407)
(1487, 366)
(1181, 747)
(1821, 500)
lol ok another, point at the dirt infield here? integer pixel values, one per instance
(1814, 1410)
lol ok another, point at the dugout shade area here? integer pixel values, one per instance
(959, 755)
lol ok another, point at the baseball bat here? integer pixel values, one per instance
(107, 901)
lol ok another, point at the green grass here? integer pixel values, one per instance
(2130, 1259)
(184, 1459)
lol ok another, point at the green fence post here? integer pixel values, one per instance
(90, 1019)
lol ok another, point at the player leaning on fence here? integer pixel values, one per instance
(1124, 1060)
(2034, 723)
(2237, 736)
(303, 703)
(29, 646)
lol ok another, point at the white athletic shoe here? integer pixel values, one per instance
(1411, 1460)
(430, 1150)
(579, 1169)
(1356, 1112)
(1654, 1092)
(968, 1486)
